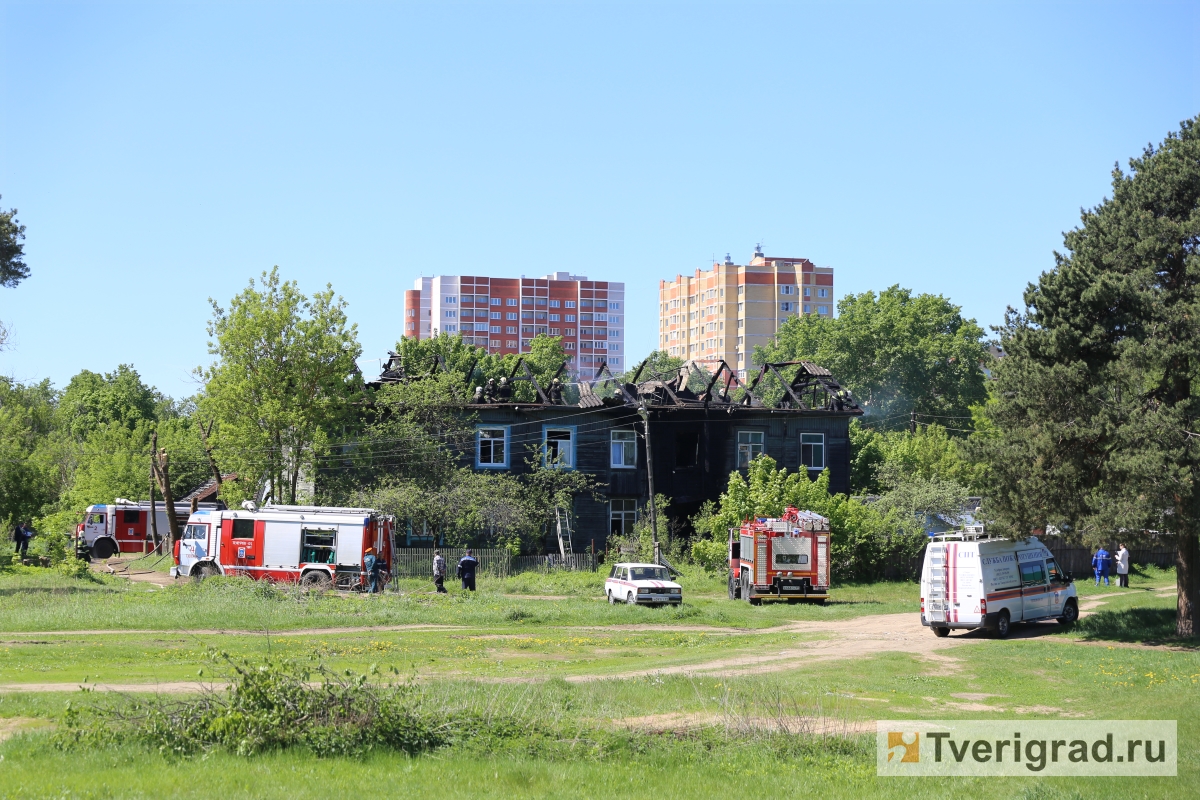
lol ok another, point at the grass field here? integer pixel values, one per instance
(577, 663)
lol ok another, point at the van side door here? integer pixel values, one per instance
(1035, 590)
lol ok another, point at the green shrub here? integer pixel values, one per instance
(711, 555)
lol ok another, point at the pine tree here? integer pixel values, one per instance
(1097, 419)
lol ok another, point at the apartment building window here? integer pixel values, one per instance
(449, 300)
(611, 318)
(614, 306)
(511, 301)
(554, 332)
(741, 323)
(451, 314)
(541, 301)
(510, 315)
(750, 445)
(622, 515)
(741, 307)
(495, 301)
(787, 289)
(807, 307)
(570, 332)
(496, 315)
(511, 343)
(807, 292)
(496, 344)
(822, 309)
(569, 304)
(510, 329)
(812, 450)
(556, 447)
(741, 290)
(412, 312)
(526, 342)
(822, 293)
(601, 318)
(570, 318)
(554, 317)
(585, 303)
(495, 329)
(568, 345)
(614, 346)
(787, 306)
(491, 448)
(624, 449)
(554, 304)
(527, 329)
(450, 328)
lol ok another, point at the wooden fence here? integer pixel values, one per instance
(413, 562)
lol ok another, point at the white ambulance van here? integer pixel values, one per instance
(971, 580)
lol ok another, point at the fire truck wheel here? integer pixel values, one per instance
(201, 571)
(755, 601)
(315, 581)
(940, 632)
(103, 548)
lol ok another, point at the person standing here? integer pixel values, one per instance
(26, 533)
(369, 568)
(1122, 566)
(1100, 565)
(439, 572)
(467, 566)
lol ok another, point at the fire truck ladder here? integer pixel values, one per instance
(563, 524)
(936, 603)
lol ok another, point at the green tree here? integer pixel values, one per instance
(28, 468)
(13, 269)
(92, 400)
(284, 378)
(1096, 414)
(897, 352)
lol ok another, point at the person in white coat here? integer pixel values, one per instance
(1122, 566)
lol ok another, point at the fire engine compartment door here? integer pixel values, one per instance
(281, 544)
(350, 545)
(240, 540)
(792, 554)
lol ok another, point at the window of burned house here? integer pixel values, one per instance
(491, 449)
(624, 449)
(812, 450)
(750, 446)
(687, 449)
(557, 447)
(622, 514)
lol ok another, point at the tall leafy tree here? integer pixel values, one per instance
(284, 377)
(1097, 414)
(898, 352)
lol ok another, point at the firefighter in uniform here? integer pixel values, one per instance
(467, 565)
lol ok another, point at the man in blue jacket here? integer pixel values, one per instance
(1100, 565)
(467, 566)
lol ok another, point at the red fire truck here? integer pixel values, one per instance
(780, 559)
(316, 546)
(124, 527)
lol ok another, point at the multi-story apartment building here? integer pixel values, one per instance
(504, 314)
(724, 312)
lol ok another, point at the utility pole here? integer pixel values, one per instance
(650, 474)
(912, 421)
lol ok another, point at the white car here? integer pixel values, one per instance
(649, 584)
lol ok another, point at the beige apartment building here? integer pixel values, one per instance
(724, 312)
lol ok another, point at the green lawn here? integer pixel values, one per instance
(511, 655)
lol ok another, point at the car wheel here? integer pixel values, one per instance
(941, 632)
(1002, 624)
(612, 601)
(630, 600)
(1070, 614)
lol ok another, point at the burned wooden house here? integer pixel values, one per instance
(701, 427)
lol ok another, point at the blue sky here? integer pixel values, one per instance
(164, 153)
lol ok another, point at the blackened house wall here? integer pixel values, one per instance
(711, 434)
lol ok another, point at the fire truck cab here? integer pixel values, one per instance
(125, 527)
(316, 546)
(780, 559)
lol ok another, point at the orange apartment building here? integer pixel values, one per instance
(724, 312)
(503, 315)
